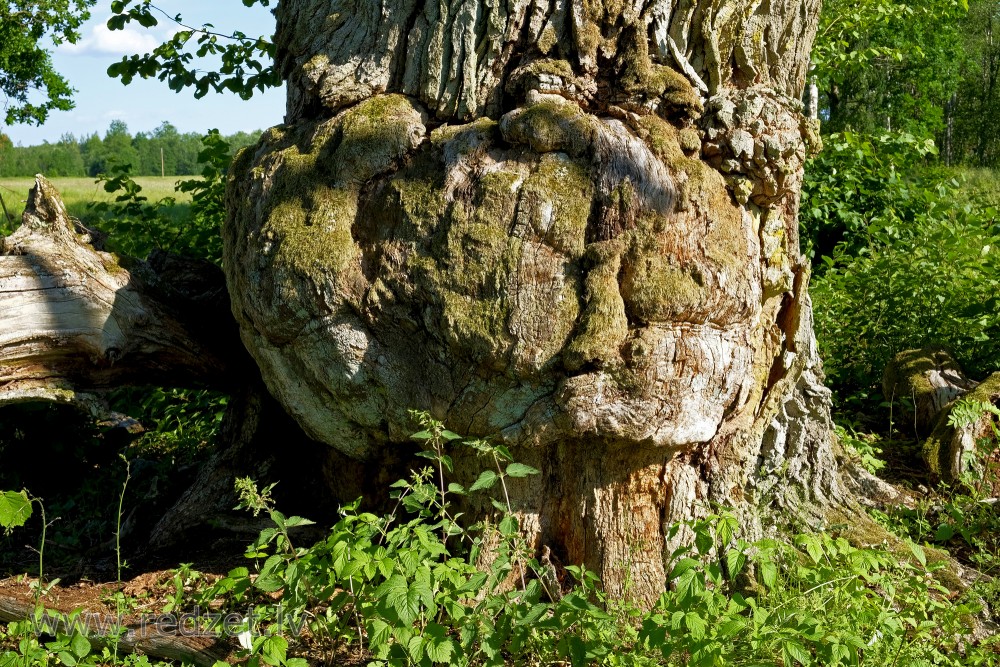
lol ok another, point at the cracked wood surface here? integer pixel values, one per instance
(74, 318)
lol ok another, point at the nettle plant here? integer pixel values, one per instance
(408, 588)
(15, 510)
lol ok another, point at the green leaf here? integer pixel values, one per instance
(944, 532)
(405, 601)
(535, 613)
(508, 526)
(695, 624)
(487, 478)
(15, 509)
(294, 521)
(703, 539)
(275, 650)
(422, 590)
(80, 645)
(269, 583)
(379, 633)
(918, 552)
(730, 627)
(813, 547)
(577, 651)
(439, 648)
(792, 650)
(768, 574)
(520, 470)
(736, 560)
(726, 528)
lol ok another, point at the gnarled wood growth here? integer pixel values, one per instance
(570, 223)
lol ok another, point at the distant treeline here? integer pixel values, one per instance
(93, 155)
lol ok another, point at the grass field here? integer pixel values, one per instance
(78, 192)
(982, 186)
(130, 231)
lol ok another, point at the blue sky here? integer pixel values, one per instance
(143, 105)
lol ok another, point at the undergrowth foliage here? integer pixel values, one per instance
(900, 261)
(962, 516)
(138, 226)
(416, 586)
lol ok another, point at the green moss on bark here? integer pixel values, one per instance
(604, 323)
(558, 196)
(314, 199)
(551, 125)
(939, 449)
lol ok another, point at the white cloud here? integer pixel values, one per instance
(102, 41)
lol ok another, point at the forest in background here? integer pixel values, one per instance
(899, 210)
(93, 155)
(926, 68)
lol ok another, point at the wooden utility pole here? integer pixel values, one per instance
(6, 215)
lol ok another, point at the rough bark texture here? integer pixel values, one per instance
(74, 318)
(569, 224)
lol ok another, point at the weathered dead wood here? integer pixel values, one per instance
(74, 318)
(151, 640)
(930, 378)
(952, 451)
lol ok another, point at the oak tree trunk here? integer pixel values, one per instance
(570, 225)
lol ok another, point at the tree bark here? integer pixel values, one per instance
(930, 379)
(569, 224)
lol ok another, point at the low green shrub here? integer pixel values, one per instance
(137, 225)
(899, 263)
(409, 589)
(416, 587)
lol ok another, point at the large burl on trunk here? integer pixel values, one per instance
(567, 224)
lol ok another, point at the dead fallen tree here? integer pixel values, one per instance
(75, 318)
(159, 640)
